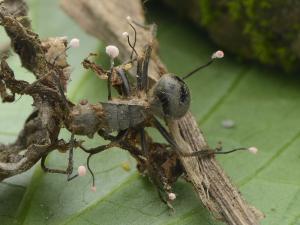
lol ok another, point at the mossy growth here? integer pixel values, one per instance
(265, 30)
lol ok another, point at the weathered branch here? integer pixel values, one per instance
(42, 127)
(106, 21)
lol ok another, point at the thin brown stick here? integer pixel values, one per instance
(106, 21)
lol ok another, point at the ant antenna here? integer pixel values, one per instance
(217, 55)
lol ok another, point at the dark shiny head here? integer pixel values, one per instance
(170, 97)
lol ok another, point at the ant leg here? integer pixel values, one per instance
(112, 138)
(203, 152)
(143, 141)
(70, 163)
(142, 62)
(61, 92)
(98, 149)
(164, 133)
(144, 75)
(109, 78)
(33, 84)
(48, 170)
(58, 83)
(113, 142)
(142, 69)
(109, 86)
(105, 135)
(139, 71)
(125, 86)
(101, 148)
(69, 169)
(170, 140)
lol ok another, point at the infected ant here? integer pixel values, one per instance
(137, 108)
(129, 114)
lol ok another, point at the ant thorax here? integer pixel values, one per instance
(121, 114)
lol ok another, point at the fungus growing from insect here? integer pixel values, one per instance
(93, 188)
(253, 150)
(128, 18)
(218, 55)
(81, 171)
(112, 51)
(74, 43)
(228, 123)
(125, 34)
(172, 196)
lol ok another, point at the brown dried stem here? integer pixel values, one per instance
(41, 129)
(106, 21)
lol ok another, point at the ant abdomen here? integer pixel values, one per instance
(170, 97)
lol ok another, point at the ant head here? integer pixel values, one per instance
(170, 97)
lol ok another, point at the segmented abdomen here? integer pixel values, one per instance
(121, 116)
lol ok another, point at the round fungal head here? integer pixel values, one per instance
(81, 171)
(125, 34)
(112, 51)
(218, 55)
(172, 196)
(128, 18)
(228, 123)
(253, 150)
(74, 43)
(93, 188)
(170, 97)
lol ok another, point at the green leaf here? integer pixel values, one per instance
(263, 104)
